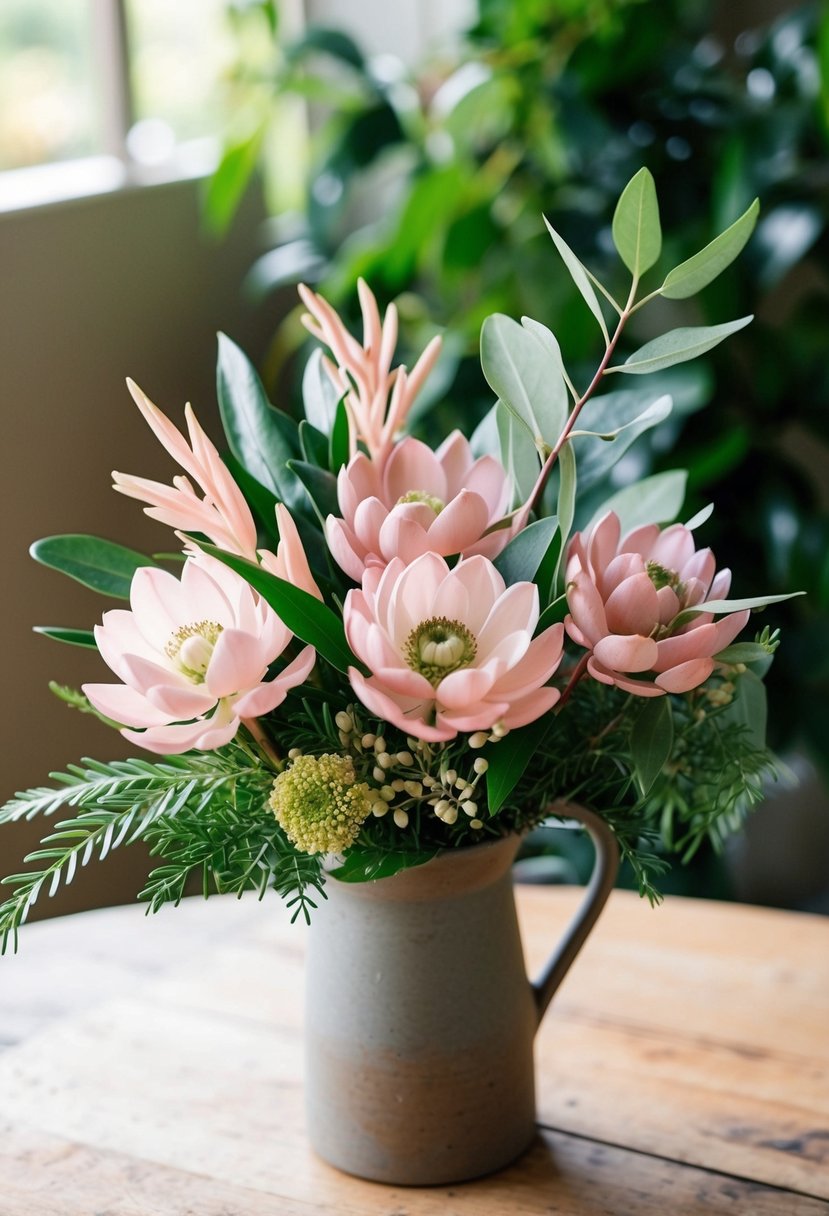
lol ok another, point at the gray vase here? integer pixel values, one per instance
(420, 1019)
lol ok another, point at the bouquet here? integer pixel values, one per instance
(368, 651)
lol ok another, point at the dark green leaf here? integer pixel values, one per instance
(333, 42)
(651, 740)
(307, 617)
(364, 863)
(319, 396)
(749, 708)
(508, 760)
(99, 564)
(339, 439)
(313, 444)
(742, 652)
(321, 486)
(227, 185)
(520, 560)
(75, 637)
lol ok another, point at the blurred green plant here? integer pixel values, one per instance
(433, 185)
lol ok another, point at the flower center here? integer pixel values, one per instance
(191, 648)
(662, 577)
(431, 501)
(439, 646)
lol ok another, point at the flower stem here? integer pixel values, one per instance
(254, 729)
(578, 672)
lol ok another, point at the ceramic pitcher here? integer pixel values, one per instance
(420, 1018)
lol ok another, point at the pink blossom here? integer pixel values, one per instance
(626, 597)
(193, 655)
(222, 514)
(420, 501)
(450, 650)
(290, 562)
(377, 399)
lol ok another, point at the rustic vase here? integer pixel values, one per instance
(420, 1018)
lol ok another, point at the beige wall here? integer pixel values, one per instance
(92, 291)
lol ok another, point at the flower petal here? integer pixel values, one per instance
(630, 653)
(686, 676)
(124, 705)
(237, 664)
(633, 607)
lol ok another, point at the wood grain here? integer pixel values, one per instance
(155, 1067)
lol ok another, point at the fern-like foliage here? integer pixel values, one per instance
(204, 811)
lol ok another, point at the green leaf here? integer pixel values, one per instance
(548, 343)
(364, 863)
(651, 741)
(677, 346)
(652, 414)
(74, 637)
(306, 616)
(313, 444)
(654, 500)
(742, 652)
(579, 277)
(329, 41)
(226, 186)
(262, 438)
(636, 231)
(99, 564)
(321, 486)
(701, 517)
(756, 601)
(749, 708)
(697, 272)
(319, 396)
(522, 557)
(508, 760)
(526, 376)
(597, 457)
(338, 451)
(518, 453)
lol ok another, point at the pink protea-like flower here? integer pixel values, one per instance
(627, 599)
(222, 514)
(450, 650)
(419, 502)
(193, 655)
(377, 398)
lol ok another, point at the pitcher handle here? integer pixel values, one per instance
(605, 869)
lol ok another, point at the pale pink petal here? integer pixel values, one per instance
(701, 566)
(489, 478)
(586, 608)
(123, 705)
(639, 688)
(267, 696)
(536, 667)
(291, 560)
(157, 599)
(603, 541)
(404, 538)
(695, 644)
(686, 676)
(633, 607)
(720, 586)
(180, 704)
(455, 458)
(669, 604)
(172, 740)
(368, 520)
(416, 587)
(728, 627)
(483, 718)
(459, 524)
(403, 712)
(641, 540)
(119, 635)
(413, 465)
(346, 550)
(531, 707)
(517, 608)
(623, 566)
(674, 547)
(462, 689)
(203, 583)
(144, 674)
(575, 633)
(632, 653)
(402, 681)
(238, 663)
(483, 585)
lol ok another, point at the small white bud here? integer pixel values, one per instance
(401, 818)
(414, 788)
(398, 785)
(476, 823)
(379, 808)
(379, 744)
(344, 738)
(499, 730)
(442, 806)
(413, 743)
(344, 721)
(294, 752)
(428, 781)
(450, 816)
(387, 793)
(470, 809)
(450, 776)
(467, 793)
(406, 759)
(479, 738)
(368, 740)
(480, 765)
(378, 773)
(384, 759)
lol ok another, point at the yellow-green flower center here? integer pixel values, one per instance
(660, 576)
(435, 504)
(439, 646)
(191, 648)
(319, 803)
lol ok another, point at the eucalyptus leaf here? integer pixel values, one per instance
(636, 230)
(579, 276)
(319, 396)
(697, 272)
(306, 616)
(701, 517)
(654, 500)
(651, 741)
(756, 601)
(742, 652)
(98, 564)
(526, 376)
(652, 414)
(518, 453)
(507, 764)
(520, 560)
(547, 341)
(485, 440)
(677, 346)
(74, 637)
(597, 457)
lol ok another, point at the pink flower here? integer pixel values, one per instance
(289, 562)
(222, 514)
(193, 656)
(419, 502)
(450, 650)
(626, 597)
(377, 399)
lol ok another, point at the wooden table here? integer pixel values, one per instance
(153, 1068)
